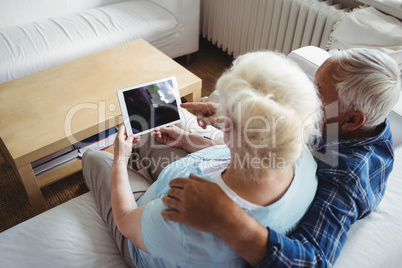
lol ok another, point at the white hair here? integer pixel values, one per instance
(271, 99)
(368, 81)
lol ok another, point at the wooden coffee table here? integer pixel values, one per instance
(49, 110)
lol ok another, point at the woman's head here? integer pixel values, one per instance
(268, 100)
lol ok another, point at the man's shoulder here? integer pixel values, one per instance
(347, 156)
(360, 171)
(357, 158)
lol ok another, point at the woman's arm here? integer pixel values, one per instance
(125, 211)
(177, 137)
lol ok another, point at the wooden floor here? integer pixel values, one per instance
(208, 64)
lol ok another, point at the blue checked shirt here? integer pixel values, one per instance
(346, 192)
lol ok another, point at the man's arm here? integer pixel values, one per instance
(321, 234)
(205, 112)
(216, 213)
(316, 243)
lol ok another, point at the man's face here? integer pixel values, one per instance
(324, 79)
(326, 84)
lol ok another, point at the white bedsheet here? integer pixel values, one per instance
(70, 235)
(72, 36)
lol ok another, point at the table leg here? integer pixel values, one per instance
(194, 96)
(32, 188)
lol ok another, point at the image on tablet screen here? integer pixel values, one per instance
(151, 106)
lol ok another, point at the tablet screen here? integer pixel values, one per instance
(150, 105)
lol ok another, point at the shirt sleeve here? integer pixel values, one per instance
(320, 236)
(160, 235)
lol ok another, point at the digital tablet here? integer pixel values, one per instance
(147, 106)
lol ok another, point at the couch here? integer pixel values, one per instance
(73, 234)
(35, 35)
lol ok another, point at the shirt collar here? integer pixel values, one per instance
(384, 135)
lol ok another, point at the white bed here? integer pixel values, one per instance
(74, 235)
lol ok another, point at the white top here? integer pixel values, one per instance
(217, 178)
(172, 244)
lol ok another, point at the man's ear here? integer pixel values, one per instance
(352, 121)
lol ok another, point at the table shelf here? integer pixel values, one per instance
(62, 171)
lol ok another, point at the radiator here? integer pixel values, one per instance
(239, 26)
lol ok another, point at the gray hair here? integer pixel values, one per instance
(271, 99)
(368, 81)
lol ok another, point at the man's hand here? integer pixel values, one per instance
(206, 112)
(203, 205)
(197, 203)
(123, 145)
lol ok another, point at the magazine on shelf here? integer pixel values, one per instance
(52, 161)
(69, 154)
(97, 142)
(52, 156)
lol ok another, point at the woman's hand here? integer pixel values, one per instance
(179, 138)
(123, 145)
(171, 135)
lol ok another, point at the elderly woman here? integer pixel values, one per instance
(269, 110)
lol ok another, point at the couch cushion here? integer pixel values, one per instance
(36, 46)
(70, 235)
(370, 28)
(17, 12)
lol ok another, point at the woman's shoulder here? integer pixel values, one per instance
(306, 162)
(284, 214)
(217, 151)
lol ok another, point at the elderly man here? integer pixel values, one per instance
(359, 87)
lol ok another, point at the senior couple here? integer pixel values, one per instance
(261, 198)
